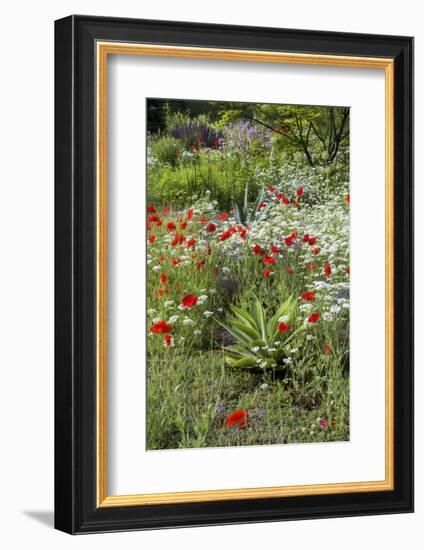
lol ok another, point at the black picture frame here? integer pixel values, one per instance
(76, 510)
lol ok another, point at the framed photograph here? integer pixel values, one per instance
(234, 274)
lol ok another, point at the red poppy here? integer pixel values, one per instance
(242, 232)
(269, 260)
(299, 191)
(237, 418)
(163, 278)
(161, 327)
(175, 261)
(224, 236)
(327, 349)
(266, 272)
(295, 204)
(166, 211)
(280, 196)
(158, 223)
(286, 200)
(271, 188)
(327, 270)
(190, 214)
(275, 249)
(178, 239)
(211, 227)
(200, 265)
(170, 226)
(312, 266)
(161, 259)
(183, 226)
(312, 240)
(191, 242)
(257, 249)
(168, 340)
(203, 220)
(305, 238)
(324, 423)
(289, 270)
(316, 250)
(223, 217)
(347, 269)
(262, 205)
(152, 238)
(152, 218)
(314, 317)
(347, 199)
(151, 208)
(308, 296)
(283, 327)
(289, 240)
(189, 301)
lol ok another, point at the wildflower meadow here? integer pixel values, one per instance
(247, 274)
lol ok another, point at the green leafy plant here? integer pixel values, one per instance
(245, 215)
(260, 342)
(166, 149)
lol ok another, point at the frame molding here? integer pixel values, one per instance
(84, 43)
(106, 49)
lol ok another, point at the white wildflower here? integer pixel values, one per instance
(188, 321)
(173, 319)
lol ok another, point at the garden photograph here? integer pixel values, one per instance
(247, 270)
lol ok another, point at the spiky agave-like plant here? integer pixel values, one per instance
(245, 215)
(259, 342)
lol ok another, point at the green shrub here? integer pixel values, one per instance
(166, 150)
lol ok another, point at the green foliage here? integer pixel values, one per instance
(166, 149)
(189, 401)
(259, 342)
(318, 132)
(195, 174)
(157, 112)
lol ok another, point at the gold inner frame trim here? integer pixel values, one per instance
(104, 49)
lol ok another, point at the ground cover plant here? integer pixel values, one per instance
(247, 274)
